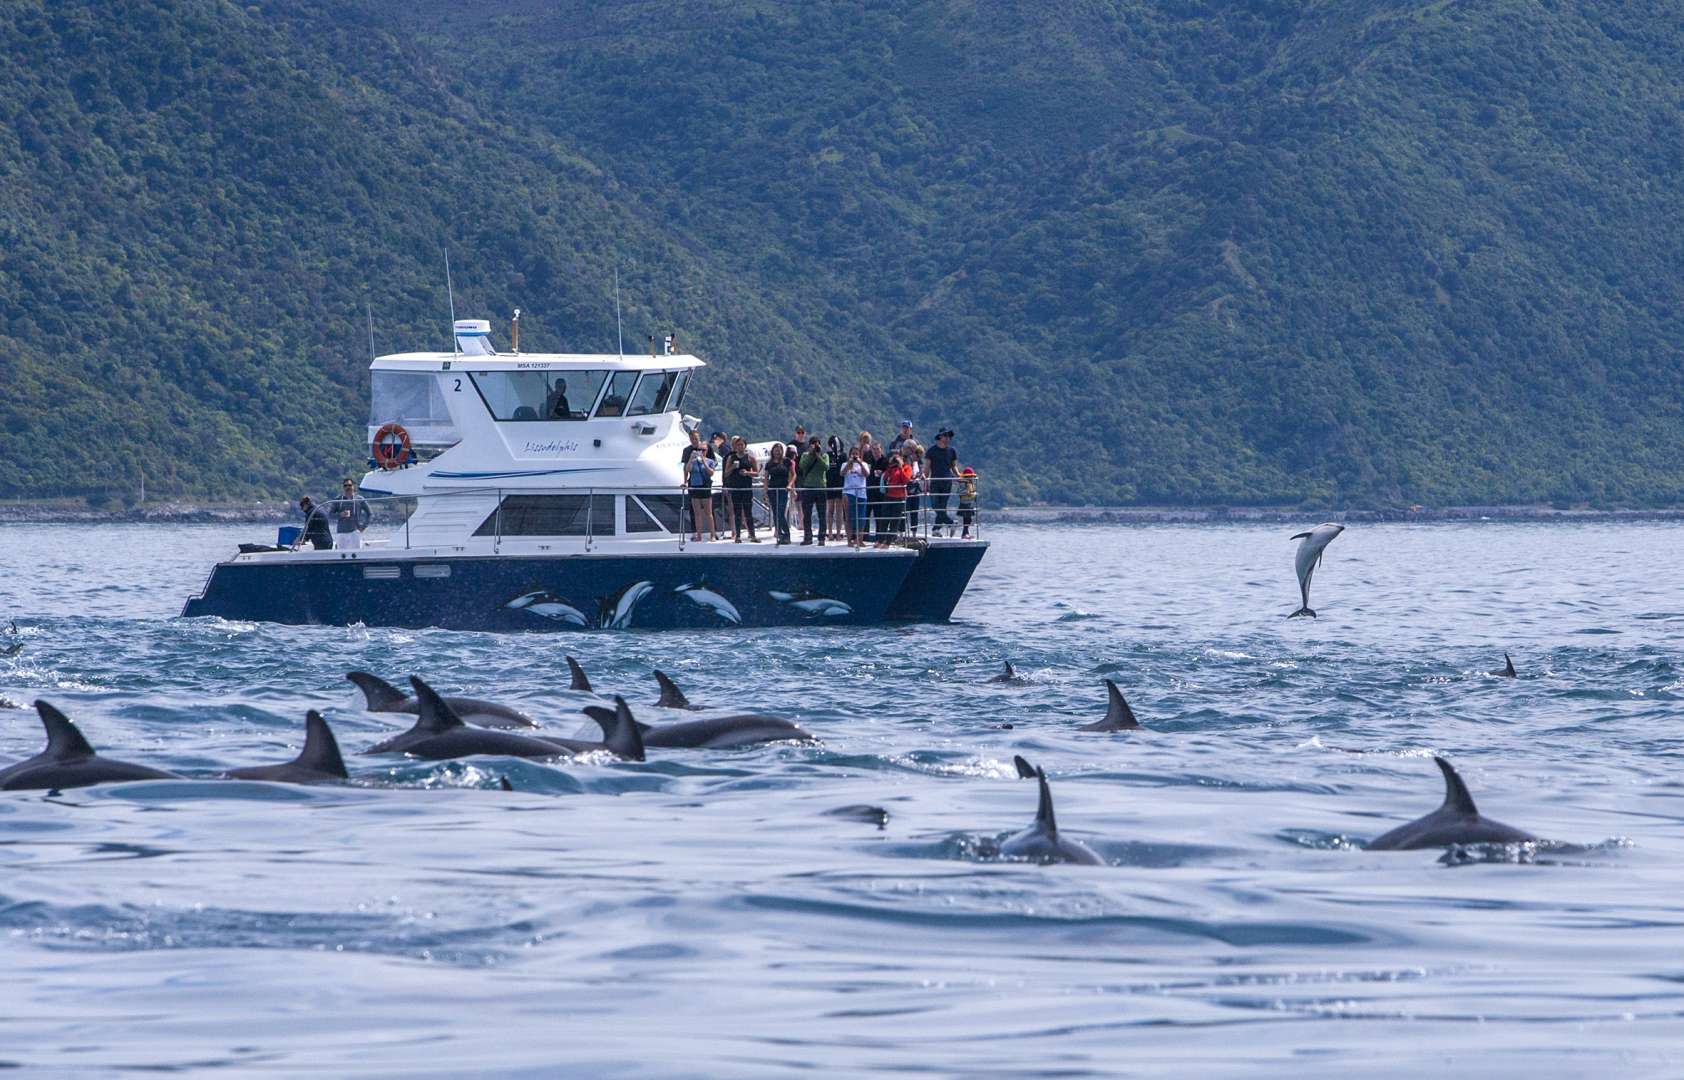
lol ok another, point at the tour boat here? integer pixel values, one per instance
(545, 492)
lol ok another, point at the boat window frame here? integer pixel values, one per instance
(495, 523)
(608, 385)
(667, 378)
(550, 375)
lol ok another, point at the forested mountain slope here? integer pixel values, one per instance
(1175, 252)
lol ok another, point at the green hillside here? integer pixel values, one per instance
(1178, 252)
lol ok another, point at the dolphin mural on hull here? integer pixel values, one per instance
(699, 594)
(811, 603)
(550, 606)
(615, 611)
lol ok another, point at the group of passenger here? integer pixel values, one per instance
(335, 523)
(863, 493)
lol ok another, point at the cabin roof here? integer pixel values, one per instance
(443, 361)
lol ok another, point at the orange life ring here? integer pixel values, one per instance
(391, 446)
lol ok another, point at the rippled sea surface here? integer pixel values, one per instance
(702, 914)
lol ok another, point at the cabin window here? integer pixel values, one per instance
(652, 393)
(683, 384)
(413, 399)
(619, 391)
(665, 509)
(551, 515)
(639, 519)
(539, 395)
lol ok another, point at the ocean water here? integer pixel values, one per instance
(703, 914)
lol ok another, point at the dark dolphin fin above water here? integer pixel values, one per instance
(1041, 842)
(625, 740)
(1456, 821)
(318, 762)
(69, 761)
(1025, 771)
(671, 696)
(1507, 671)
(380, 695)
(503, 782)
(1118, 716)
(580, 681)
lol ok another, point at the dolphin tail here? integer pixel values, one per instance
(1118, 716)
(606, 718)
(1044, 811)
(1025, 771)
(671, 696)
(321, 749)
(436, 715)
(580, 682)
(64, 741)
(379, 695)
(625, 740)
(1456, 795)
(1306, 610)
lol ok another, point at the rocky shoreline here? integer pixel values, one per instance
(281, 513)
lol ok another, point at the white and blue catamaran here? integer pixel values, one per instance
(545, 492)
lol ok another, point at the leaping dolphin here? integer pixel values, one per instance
(68, 761)
(671, 696)
(382, 696)
(1041, 842)
(439, 734)
(580, 682)
(699, 594)
(714, 733)
(318, 763)
(15, 646)
(1118, 717)
(1456, 821)
(614, 612)
(1507, 671)
(549, 606)
(1309, 557)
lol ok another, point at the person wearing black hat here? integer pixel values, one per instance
(941, 465)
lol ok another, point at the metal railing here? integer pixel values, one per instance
(931, 510)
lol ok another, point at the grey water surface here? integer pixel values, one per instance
(702, 914)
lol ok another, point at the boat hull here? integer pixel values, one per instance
(688, 589)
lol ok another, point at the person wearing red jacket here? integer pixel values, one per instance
(895, 480)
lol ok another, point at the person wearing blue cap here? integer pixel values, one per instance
(901, 439)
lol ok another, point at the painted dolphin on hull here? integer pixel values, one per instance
(1309, 557)
(615, 612)
(699, 594)
(549, 606)
(69, 762)
(318, 763)
(715, 733)
(1118, 717)
(439, 734)
(1041, 842)
(382, 696)
(811, 603)
(1456, 821)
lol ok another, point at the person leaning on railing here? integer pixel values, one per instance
(779, 476)
(315, 532)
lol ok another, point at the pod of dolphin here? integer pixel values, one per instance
(455, 727)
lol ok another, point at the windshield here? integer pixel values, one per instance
(539, 395)
(412, 399)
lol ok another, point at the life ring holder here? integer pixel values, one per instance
(391, 446)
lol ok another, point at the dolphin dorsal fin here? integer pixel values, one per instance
(1011, 672)
(606, 718)
(1456, 795)
(378, 694)
(436, 715)
(624, 740)
(1508, 666)
(1118, 715)
(1025, 771)
(1044, 812)
(671, 696)
(321, 749)
(580, 682)
(64, 741)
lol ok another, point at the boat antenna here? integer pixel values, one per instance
(450, 291)
(619, 327)
(369, 306)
